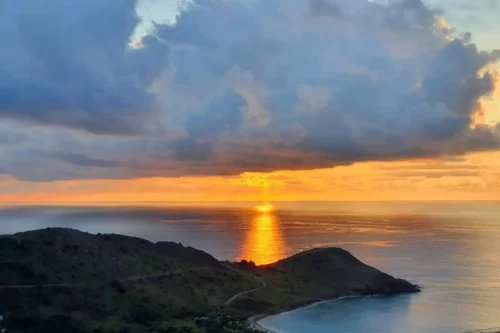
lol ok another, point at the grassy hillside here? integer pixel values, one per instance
(62, 280)
(68, 256)
(314, 275)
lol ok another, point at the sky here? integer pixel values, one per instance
(249, 100)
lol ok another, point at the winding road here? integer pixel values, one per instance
(243, 293)
(144, 277)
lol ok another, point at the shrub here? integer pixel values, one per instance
(118, 286)
(7, 243)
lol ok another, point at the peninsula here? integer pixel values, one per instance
(64, 280)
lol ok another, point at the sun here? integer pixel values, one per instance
(264, 208)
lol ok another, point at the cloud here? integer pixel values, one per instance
(8, 137)
(433, 174)
(376, 99)
(68, 63)
(83, 160)
(235, 86)
(324, 8)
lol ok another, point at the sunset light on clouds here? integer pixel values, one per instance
(228, 101)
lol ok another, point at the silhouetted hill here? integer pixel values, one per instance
(337, 270)
(315, 275)
(63, 280)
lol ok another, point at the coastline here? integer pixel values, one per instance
(254, 323)
(254, 320)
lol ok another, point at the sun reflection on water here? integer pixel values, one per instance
(264, 208)
(264, 242)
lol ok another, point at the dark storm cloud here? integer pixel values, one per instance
(218, 117)
(355, 97)
(83, 160)
(324, 8)
(453, 78)
(206, 127)
(248, 86)
(68, 63)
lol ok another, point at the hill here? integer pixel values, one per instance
(311, 276)
(63, 280)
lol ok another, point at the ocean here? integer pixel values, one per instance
(451, 249)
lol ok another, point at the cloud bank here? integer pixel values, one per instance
(233, 86)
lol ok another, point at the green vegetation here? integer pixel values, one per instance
(63, 280)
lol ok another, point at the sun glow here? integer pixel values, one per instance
(264, 242)
(264, 208)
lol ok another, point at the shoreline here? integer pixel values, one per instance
(254, 320)
(254, 323)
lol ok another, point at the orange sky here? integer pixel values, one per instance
(474, 177)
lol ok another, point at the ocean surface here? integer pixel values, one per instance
(451, 249)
